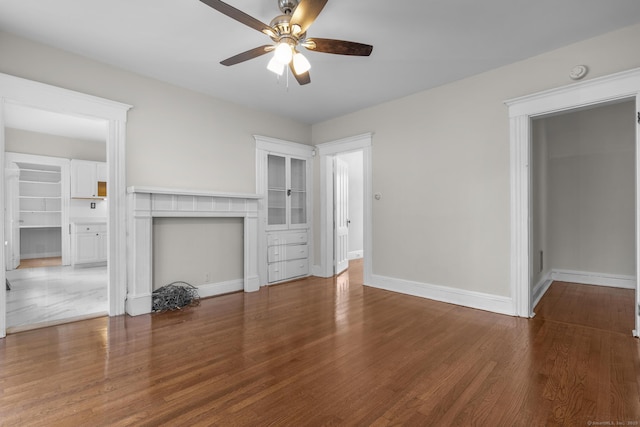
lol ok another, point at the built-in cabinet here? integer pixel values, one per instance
(88, 179)
(45, 209)
(284, 177)
(40, 196)
(89, 243)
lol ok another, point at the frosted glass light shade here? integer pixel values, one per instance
(283, 53)
(275, 66)
(300, 63)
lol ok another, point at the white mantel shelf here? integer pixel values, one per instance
(182, 192)
(146, 203)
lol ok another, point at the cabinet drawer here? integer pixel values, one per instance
(287, 238)
(288, 269)
(91, 228)
(286, 253)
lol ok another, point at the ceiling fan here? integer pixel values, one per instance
(289, 31)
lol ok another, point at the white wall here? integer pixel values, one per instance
(591, 190)
(441, 162)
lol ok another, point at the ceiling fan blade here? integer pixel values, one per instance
(245, 56)
(302, 78)
(339, 47)
(239, 16)
(306, 12)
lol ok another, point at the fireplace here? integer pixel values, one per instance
(146, 203)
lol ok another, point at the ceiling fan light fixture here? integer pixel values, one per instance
(283, 53)
(275, 66)
(300, 63)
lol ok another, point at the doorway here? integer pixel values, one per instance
(616, 87)
(358, 147)
(46, 264)
(583, 214)
(18, 91)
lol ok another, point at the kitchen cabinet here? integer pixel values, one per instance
(89, 243)
(88, 179)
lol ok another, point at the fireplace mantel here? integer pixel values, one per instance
(146, 203)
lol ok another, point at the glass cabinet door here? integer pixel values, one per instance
(298, 193)
(277, 190)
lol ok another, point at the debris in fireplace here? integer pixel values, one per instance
(174, 296)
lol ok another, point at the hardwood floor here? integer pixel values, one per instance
(599, 307)
(320, 352)
(40, 262)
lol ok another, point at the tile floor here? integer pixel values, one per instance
(49, 295)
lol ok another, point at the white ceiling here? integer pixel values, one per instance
(418, 44)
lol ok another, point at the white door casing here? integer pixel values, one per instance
(12, 220)
(612, 88)
(46, 97)
(326, 152)
(341, 215)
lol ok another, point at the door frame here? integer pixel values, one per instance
(327, 152)
(16, 90)
(611, 88)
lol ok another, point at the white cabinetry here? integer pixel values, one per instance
(89, 243)
(88, 179)
(284, 175)
(40, 196)
(287, 255)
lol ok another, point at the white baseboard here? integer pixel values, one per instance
(213, 289)
(541, 288)
(318, 271)
(590, 278)
(355, 254)
(136, 305)
(472, 299)
(41, 255)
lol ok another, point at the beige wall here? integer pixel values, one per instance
(441, 163)
(22, 141)
(175, 137)
(197, 250)
(590, 214)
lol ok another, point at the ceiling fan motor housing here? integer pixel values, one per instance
(287, 6)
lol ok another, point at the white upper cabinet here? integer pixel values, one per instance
(286, 192)
(88, 179)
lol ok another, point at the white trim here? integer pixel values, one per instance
(182, 192)
(482, 301)
(326, 151)
(355, 254)
(144, 206)
(540, 289)
(352, 143)
(220, 288)
(605, 89)
(21, 91)
(280, 146)
(590, 278)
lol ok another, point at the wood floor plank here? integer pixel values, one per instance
(331, 352)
